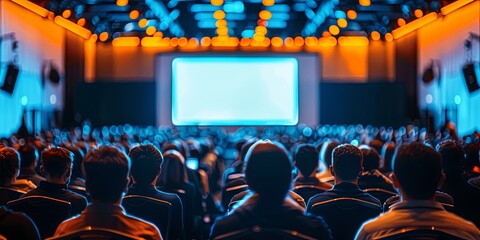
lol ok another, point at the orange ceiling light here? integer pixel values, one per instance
(388, 37)
(334, 30)
(67, 13)
(151, 30)
(143, 22)
(103, 36)
(268, 2)
(221, 23)
(353, 41)
(311, 41)
(265, 15)
(418, 13)
(327, 42)
(245, 42)
(299, 41)
(276, 42)
(216, 2)
(81, 22)
(158, 34)
(351, 14)
(289, 42)
(375, 35)
(401, 22)
(134, 14)
(454, 6)
(206, 41)
(414, 25)
(364, 3)
(326, 34)
(122, 3)
(32, 7)
(93, 38)
(71, 26)
(219, 14)
(126, 42)
(342, 22)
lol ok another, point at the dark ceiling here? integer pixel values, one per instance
(290, 18)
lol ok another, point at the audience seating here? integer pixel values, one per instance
(90, 233)
(345, 215)
(380, 193)
(260, 233)
(307, 191)
(230, 192)
(47, 213)
(8, 194)
(420, 234)
(154, 210)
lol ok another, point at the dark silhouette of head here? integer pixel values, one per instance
(388, 150)
(347, 163)
(326, 152)
(9, 165)
(78, 155)
(57, 164)
(178, 145)
(174, 172)
(268, 171)
(417, 171)
(106, 173)
(371, 158)
(305, 158)
(28, 156)
(146, 163)
(453, 156)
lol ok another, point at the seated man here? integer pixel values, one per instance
(28, 164)
(269, 208)
(106, 178)
(371, 176)
(417, 172)
(9, 165)
(307, 185)
(57, 168)
(346, 168)
(15, 225)
(146, 167)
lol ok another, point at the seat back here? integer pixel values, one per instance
(345, 215)
(420, 234)
(47, 213)
(258, 232)
(90, 233)
(156, 211)
(8, 194)
(229, 192)
(308, 191)
(380, 194)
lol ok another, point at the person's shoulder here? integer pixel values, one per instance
(143, 226)
(327, 195)
(169, 197)
(225, 224)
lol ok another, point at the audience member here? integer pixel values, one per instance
(10, 163)
(371, 176)
(269, 207)
(325, 154)
(146, 167)
(106, 178)
(57, 168)
(17, 226)
(417, 172)
(346, 168)
(28, 163)
(465, 196)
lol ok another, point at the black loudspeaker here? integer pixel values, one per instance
(470, 77)
(10, 78)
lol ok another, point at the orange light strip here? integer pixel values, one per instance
(32, 7)
(454, 6)
(71, 26)
(155, 42)
(126, 42)
(327, 42)
(414, 25)
(353, 41)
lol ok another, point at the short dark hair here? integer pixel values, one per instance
(347, 161)
(106, 172)
(418, 169)
(174, 172)
(305, 158)
(146, 162)
(453, 156)
(28, 155)
(371, 158)
(326, 152)
(9, 164)
(56, 161)
(268, 169)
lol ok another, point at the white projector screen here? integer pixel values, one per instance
(237, 89)
(234, 91)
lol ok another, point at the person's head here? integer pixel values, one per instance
(9, 165)
(78, 155)
(268, 170)
(57, 164)
(106, 173)
(305, 158)
(417, 171)
(326, 152)
(28, 156)
(146, 163)
(371, 158)
(453, 157)
(347, 163)
(174, 172)
(388, 150)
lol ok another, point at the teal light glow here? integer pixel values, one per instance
(457, 99)
(233, 91)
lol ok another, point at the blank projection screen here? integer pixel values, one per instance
(246, 89)
(234, 91)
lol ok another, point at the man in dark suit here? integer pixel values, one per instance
(57, 167)
(146, 167)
